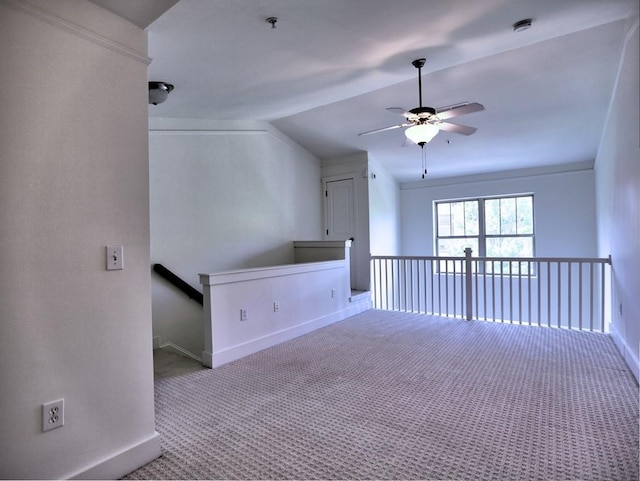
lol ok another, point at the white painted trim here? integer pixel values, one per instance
(321, 244)
(207, 359)
(503, 175)
(124, 462)
(626, 352)
(180, 350)
(77, 30)
(242, 275)
(187, 127)
(207, 132)
(258, 344)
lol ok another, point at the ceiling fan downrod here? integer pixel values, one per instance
(419, 63)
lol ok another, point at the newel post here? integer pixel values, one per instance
(468, 283)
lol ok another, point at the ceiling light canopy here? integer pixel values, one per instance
(522, 25)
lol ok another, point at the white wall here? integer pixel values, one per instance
(564, 207)
(384, 212)
(224, 195)
(73, 179)
(618, 200)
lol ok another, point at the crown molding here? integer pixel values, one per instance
(79, 31)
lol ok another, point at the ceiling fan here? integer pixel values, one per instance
(425, 122)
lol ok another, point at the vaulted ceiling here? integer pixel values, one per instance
(331, 68)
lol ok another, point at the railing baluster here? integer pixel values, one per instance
(519, 280)
(446, 288)
(529, 292)
(493, 291)
(591, 309)
(602, 298)
(392, 290)
(453, 264)
(418, 282)
(580, 296)
(569, 298)
(463, 290)
(502, 290)
(439, 288)
(549, 295)
(559, 293)
(484, 282)
(433, 287)
(413, 292)
(407, 294)
(539, 275)
(511, 292)
(476, 295)
(374, 277)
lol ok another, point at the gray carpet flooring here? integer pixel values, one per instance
(387, 395)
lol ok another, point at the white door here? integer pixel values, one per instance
(340, 216)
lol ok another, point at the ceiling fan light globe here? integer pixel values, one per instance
(422, 133)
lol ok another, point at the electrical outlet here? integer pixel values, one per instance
(244, 315)
(276, 306)
(53, 415)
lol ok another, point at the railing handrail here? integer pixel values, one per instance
(185, 287)
(593, 260)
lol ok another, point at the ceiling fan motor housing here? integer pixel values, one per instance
(421, 114)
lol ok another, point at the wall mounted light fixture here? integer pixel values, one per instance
(158, 92)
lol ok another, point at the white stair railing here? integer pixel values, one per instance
(543, 291)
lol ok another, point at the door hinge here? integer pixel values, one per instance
(326, 193)
(327, 231)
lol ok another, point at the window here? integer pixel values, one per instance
(492, 227)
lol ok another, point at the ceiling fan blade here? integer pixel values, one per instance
(384, 128)
(399, 110)
(457, 128)
(444, 113)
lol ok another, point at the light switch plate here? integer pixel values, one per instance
(115, 258)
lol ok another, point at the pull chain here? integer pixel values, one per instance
(424, 159)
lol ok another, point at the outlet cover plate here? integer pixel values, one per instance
(53, 415)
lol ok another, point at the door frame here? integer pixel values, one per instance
(354, 183)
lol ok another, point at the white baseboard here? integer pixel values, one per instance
(124, 462)
(250, 347)
(174, 347)
(626, 352)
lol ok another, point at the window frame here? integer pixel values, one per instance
(482, 236)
